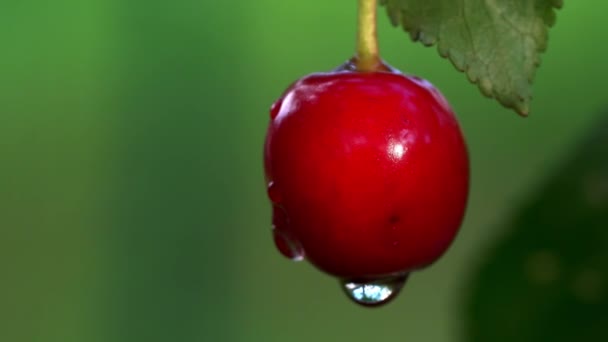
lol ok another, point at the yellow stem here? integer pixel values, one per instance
(368, 57)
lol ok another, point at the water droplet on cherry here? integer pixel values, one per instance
(285, 243)
(275, 109)
(289, 248)
(274, 193)
(374, 292)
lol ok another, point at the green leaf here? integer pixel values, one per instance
(496, 42)
(546, 279)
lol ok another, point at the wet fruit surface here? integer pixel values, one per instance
(368, 175)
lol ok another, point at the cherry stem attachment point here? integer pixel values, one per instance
(368, 57)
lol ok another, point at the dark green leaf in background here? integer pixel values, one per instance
(547, 278)
(496, 42)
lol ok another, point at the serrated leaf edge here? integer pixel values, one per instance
(396, 18)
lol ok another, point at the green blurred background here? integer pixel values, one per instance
(132, 202)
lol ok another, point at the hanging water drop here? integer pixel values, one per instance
(375, 292)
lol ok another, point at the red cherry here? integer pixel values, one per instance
(368, 174)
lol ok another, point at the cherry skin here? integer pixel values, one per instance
(368, 173)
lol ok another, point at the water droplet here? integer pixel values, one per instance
(275, 108)
(279, 218)
(288, 247)
(374, 292)
(285, 243)
(274, 193)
